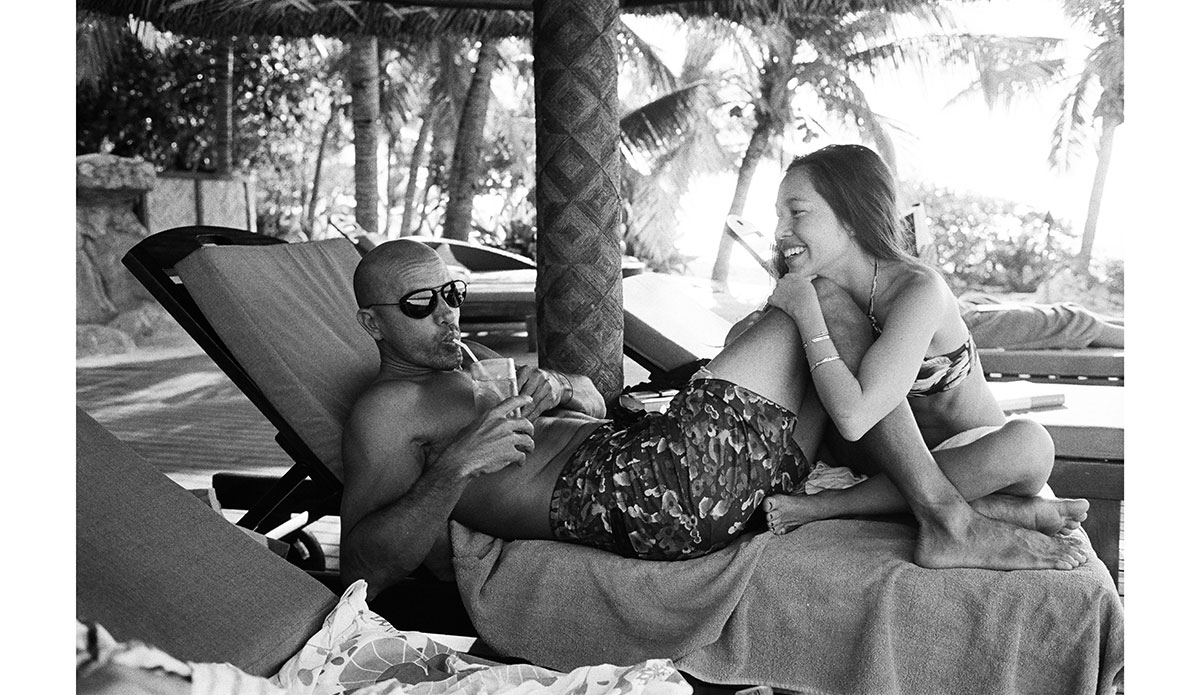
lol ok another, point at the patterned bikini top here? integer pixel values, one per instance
(938, 373)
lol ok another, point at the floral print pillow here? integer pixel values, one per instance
(358, 651)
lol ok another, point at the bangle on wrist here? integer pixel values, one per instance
(815, 339)
(824, 360)
(567, 391)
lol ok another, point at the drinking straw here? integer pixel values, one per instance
(467, 350)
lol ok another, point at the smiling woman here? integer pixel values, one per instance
(915, 386)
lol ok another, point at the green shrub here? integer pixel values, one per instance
(989, 244)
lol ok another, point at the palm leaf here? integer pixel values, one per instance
(1070, 135)
(659, 127)
(642, 56)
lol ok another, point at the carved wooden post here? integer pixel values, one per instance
(580, 317)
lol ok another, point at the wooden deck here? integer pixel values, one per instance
(185, 417)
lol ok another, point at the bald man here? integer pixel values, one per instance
(544, 465)
(416, 453)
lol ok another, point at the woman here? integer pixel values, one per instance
(839, 243)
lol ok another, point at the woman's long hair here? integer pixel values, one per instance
(859, 187)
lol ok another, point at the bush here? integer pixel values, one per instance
(989, 244)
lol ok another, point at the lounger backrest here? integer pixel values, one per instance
(666, 327)
(287, 313)
(155, 564)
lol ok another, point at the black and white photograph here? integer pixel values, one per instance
(618, 347)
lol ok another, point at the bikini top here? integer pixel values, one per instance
(938, 373)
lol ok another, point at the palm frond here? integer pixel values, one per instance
(840, 95)
(1007, 85)
(652, 131)
(1070, 135)
(634, 50)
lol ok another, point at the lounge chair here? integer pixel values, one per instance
(1093, 365)
(1088, 365)
(285, 313)
(156, 564)
(182, 590)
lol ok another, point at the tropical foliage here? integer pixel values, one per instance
(742, 91)
(1092, 108)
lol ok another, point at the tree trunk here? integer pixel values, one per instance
(1108, 127)
(223, 140)
(393, 143)
(414, 169)
(364, 90)
(465, 166)
(311, 215)
(754, 154)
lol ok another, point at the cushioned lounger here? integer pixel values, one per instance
(835, 608)
(154, 563)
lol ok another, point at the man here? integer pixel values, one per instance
(417, 454)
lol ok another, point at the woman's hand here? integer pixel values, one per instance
(792, 293)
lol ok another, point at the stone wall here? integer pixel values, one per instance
(113, 312)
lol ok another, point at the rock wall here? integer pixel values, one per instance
(113, 312)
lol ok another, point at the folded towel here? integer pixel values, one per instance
(833, 607)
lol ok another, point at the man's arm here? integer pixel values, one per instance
(400, 491)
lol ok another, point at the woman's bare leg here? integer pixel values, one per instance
(979, 469)
(950, 533)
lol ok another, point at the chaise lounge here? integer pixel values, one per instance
(835, 606)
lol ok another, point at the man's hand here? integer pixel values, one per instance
(496, 439)
(547, 389)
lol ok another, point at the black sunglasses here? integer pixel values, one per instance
(420, 303)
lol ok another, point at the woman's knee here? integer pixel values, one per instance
(1035, 446)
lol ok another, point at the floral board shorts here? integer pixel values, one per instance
(682, 483)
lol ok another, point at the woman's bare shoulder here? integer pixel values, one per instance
(920, 282)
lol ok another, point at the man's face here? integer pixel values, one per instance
(427, 342)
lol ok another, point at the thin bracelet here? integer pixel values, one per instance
(815, 339)
(567, 387)
(824, 360)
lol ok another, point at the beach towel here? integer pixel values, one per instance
(833, 607)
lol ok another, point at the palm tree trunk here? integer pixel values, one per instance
(465, 166)
(223, 140)
(1108, 127)
(364, 90)
(414, 168)
(311, 216)
(389, 188)
(754, 153)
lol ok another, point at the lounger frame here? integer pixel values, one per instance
(308, 485)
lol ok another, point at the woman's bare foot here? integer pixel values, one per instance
(786, 512)
(969, 539)
(1050, 515)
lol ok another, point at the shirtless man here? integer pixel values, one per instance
(416, 453)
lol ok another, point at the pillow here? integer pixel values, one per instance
(355, 651)
(358, 651)
(104, 666)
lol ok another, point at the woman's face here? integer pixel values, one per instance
(808, 236)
